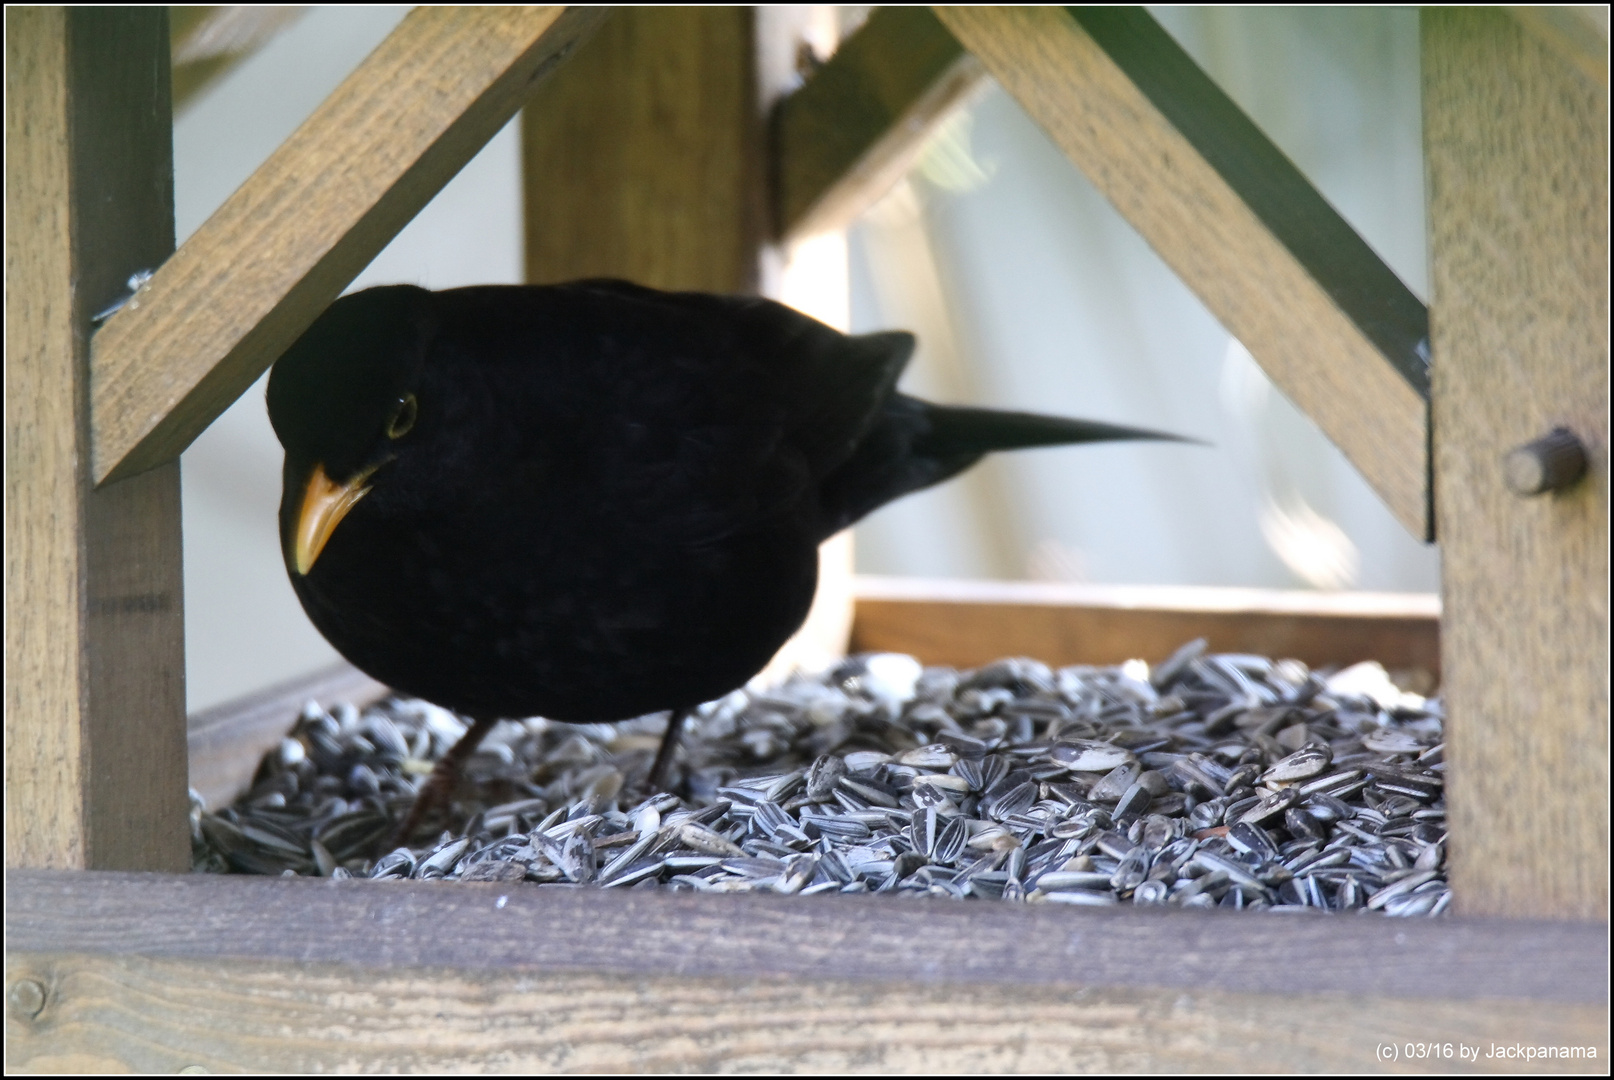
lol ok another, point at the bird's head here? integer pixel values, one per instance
(343, 401)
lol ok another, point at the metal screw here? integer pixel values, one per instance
(27, 997)
(1550, 463)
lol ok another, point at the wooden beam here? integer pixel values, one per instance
(153, 974)
(133, 1014)
(856, 126)
(969, 623)
(1516, 143)
(1331, 325)
(95, 668)
(642, 159)
(263, 267)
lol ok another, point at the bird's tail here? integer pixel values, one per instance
(915, 444)
(956, 431)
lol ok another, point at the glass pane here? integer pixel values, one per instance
(1029, 291)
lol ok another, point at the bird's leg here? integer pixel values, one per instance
(440, 784)
(669, 742)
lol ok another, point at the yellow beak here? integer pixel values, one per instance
(325, 504)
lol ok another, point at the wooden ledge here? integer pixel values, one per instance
(873, 938)
(156, 972)
(1197, 598)
(967, 623)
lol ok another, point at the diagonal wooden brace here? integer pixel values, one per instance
(263, 267)
(1326, 320)
(856, 126)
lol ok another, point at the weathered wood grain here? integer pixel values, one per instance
(43, 766)
(965, 624)
(95, 692)
(867, 938)
(1578, 32)
(858, 123)
(1517, 151)
(129, 1013)
(284, 245)
(642, 158)
(227, 741)
(157, 972)
(1331, 325)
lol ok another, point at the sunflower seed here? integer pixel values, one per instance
(1220, 780)
(1150, 893)
(1011, 801)
(1084, 755)
(1275, 803)
(1251, 838)
(934, 756)
(1133, 869)
(1115, 783)
(1134, 801)
(1084, 897)
(1388, 741)
(1306, 762)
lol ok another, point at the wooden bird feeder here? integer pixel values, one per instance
(647, 157)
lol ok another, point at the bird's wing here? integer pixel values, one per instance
(835, 385)
(709, 415)
(826, 388)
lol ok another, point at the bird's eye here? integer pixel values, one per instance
(403, 419)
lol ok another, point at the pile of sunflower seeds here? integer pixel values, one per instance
(1229, 781)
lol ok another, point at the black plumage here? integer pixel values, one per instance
(591, 501)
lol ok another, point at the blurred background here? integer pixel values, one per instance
(1025, 288)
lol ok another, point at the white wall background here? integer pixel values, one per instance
(1026, 290)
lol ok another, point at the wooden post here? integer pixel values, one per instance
(1517, 149)
(95, 666)
(643, 156)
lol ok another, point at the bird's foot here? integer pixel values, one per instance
(439, 786)
(656, 782)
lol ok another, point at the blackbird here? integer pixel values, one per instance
(590, 501)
